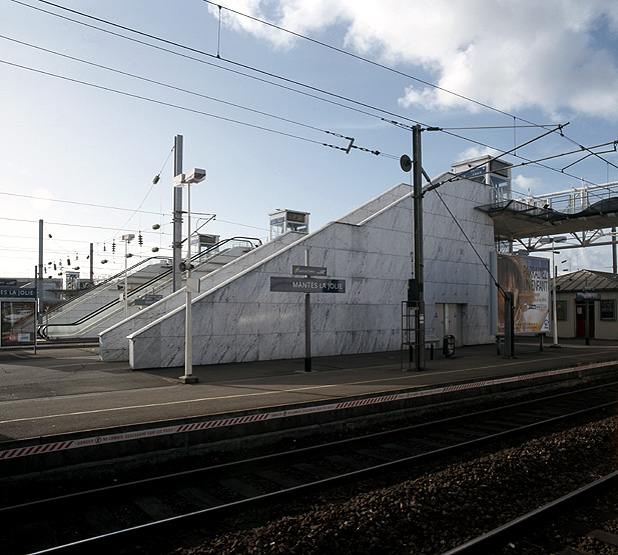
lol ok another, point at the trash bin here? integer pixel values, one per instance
(448, 345)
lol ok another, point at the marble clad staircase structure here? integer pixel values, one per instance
(237, 318)
(113, 342)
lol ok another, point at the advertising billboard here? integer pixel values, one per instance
(528, 279)
(18, 323)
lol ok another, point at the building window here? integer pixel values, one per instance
(561, 310)
(608, 310)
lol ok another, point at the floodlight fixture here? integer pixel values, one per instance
(195, 175)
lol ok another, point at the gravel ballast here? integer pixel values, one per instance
(430, 514)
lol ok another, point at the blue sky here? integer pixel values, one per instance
(80, 151)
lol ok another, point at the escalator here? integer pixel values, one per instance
(102, 306)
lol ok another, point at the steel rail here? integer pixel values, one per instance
(500, 536)
(268, 461)
(236, 468)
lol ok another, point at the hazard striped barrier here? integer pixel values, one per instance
(301, 411)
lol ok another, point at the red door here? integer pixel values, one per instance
(580, 319)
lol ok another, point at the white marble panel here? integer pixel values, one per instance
(398, 218)
(334, 235)
(384, 241)
(148, 352)
(172, 326)
(269, 345)
(247, 348)
(339, 263)
(282, 345)
(324, 343)
(384, 200)
(219, 349)
(116, 355)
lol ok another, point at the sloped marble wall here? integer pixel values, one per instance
(242, 320)
(113, 342)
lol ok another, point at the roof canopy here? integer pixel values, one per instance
(514, 219)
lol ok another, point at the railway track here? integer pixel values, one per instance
(131, 513)
(516, 536)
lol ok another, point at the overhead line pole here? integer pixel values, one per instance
(417, 176)
(39, 279)
(91, 259)
(177, 218)
(614, 253)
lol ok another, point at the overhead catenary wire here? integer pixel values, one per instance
(280, 77)
(197, 51)
(558, 127)
(356, 103)
(445, 129)
(173, 87)
(203, 53)
(396, 71)
(272, 75)
(193, 58)
(341, 148)
(77, 203)
(154, 182)
(356, 56)
(177, 106)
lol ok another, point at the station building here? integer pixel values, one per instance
(596, 292)
(470, 216)
(237, 317)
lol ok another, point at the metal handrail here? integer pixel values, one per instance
(199, 257)
(103, 283)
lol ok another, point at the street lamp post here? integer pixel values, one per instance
(127, 239)
(193, 176)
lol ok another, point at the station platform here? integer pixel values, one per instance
(58, 391)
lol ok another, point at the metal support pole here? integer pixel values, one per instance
(36, 299)
(177, 218)
(191, 284)
(614, 257)
(39, 280)
(587, 322)
(419, 352)
(554, 304)
(188, 377)
(124, 293)
(91, 263)
(307, 323)
(127, 239)
(509, 325)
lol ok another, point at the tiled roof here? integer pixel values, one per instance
(587, 279)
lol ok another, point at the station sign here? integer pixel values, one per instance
(306, 285)
(7, 292)
(588, 296)
(308, 271)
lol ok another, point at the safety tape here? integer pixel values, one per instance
(301, 411)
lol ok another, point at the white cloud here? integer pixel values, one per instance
(527, 184)
(554, 55)
(477, 152)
